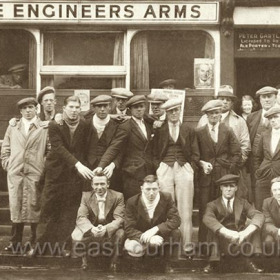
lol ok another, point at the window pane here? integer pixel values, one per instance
(83, 49)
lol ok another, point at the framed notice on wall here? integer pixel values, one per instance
(203, 73)
(84, 95)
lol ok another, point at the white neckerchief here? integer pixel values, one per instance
(177, 129)
(101, 206)
(27, 124)
(151, 206)
(100, 124)
(216, 128)
(224, 115)
(142, 126)
(119, 112)
(162, 117)
(275, 137)
(226, 201)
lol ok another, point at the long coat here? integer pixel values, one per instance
(137, 220)
(23, 157)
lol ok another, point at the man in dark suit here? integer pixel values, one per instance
(100, 219)
(46, 98)
(176, 153)
(220, 154)
(133, 141)
(150, 219)
(257, 124)
(226, 218)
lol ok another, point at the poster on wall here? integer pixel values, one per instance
(171, 94)
(84, 95)
(203, 73)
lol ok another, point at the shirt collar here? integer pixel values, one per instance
(275, 131)
(174, 124)
(215, 126)
(28, 122)
(138, 121)
(224, 115)
(226, 200)
(101, 197)
(121, 112)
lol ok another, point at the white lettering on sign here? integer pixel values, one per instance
(124, 12)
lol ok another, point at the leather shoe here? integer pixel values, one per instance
(210, 268)
(15, 248)
(252, 267)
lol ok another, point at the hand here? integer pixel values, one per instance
(242, 236)
(58, 118)
(101, 230)
(97, 170)
(145, 237)
(206, 166)
(94, 231)
(84, 171)
(44, 124)
(232, 235)
(157, 124)
(156, 240)
(13, 122)
(108, 170)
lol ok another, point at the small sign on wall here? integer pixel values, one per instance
(203, 73)
(84, 95)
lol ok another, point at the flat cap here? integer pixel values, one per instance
(272, 111)
(266, 90)
(275, 180)
(167, 82)
(25, 101)
(44, 91)
(121, 93)
(226, 91)
(171, 104)
(17, 68)
(212, 105)
(101, 99)
(135, 100)
(157, 98)
(229, 178)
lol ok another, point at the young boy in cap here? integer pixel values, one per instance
(220, 154)
(168, 84)
(267, 157)
(46, 98)
(226, 219)
(23, 156)
(176, 154)
(15, 78)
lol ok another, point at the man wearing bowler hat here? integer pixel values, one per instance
(228, 230)
(220, 154)
(23, 155)
(15, 78)
(240, 129)
(133, 140)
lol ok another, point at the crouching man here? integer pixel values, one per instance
(100, 220)
(225, 218)
(151, 222)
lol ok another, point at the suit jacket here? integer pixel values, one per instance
(137, 220)
(253, 121)
(271, 211)
(135, 148)
(114, 111)
(188, 139)
(108, 134)
(89, 209)
(267, 165)
(216, 212)
(225, 157)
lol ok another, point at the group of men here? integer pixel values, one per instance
(151, 161)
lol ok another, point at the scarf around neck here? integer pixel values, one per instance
(100, 124)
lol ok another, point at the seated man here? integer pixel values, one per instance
(150, 219)
(271, 228)
(225, 218)
(100, 219)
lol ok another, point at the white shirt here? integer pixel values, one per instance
(151, 206)
(27, 123)
(100, 124)
(101, 206)
(216, 129)
(177, 129)
(224, 115)
(226, 202)
(142, 126)
(275, 137)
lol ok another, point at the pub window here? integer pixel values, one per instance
(160, 55)
(83, 60)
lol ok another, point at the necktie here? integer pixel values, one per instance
(173, 132)
(213, 134)
(101, 205)
(229, 206)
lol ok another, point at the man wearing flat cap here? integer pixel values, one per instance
(220, 154)
(176, 154)
(240, 129)
(168, 84)
(15, 78)
(257, 124)
(267, 157)
(23, 155)
(271, 227)
(133, 140)
(120, 98)
(228, 231)
(46, 98)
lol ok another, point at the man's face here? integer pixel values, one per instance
(214, 116)
(173, 115)
(28, 111)
(17, 77)
(171, 86)
(267, 100)
(275, 190)
(150, 190)
(228, 190)
(48, 102)
(121, 103)
(72, 110)
(204, 72)
(157, 111)
(274, 121)
(247, 106)
(138, 110)
(102, 111)
(100, 185)
(227, 103)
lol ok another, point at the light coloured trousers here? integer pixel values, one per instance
(178, 181)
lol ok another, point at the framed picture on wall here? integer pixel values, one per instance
(203, 73)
